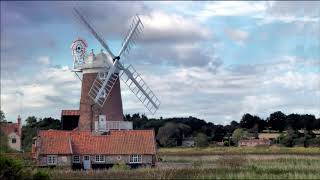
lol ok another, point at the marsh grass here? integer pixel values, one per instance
(240, 151)
(222, 168)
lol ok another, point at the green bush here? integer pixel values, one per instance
(201, 140)
(120, 166)
(41, 175)
(10, 168)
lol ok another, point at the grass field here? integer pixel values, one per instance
(224, 168)
(217, 163)
(239, 151)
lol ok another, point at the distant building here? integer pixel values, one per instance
(270, 136)
(188, 142)
(254, 142)
(13, 132)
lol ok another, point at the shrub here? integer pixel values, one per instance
(120, 166)
(201, 140)
(10, 168)
(41, 175)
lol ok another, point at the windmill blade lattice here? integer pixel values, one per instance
(132, 36)
(138, 86)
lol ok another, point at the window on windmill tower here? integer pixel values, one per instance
(13, 140)
(102, 75)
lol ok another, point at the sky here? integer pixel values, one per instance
(211, 60)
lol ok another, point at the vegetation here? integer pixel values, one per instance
(201, 140)
(223, 168)
(33, 125)
(171, 131)
(238, 151)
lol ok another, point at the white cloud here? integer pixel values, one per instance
(45, 94)
(45, 60)
(237, 35)
(160, 27)
(230, 8)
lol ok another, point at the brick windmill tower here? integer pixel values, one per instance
(100, 102)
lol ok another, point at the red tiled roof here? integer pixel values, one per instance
(83, 142)
(8, 128)
(55, 145)
(70, 113)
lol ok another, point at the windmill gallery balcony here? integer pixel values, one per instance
(113, 125)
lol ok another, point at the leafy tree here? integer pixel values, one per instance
(168, 135)
(277, 121)
(32, 126)
(239, 134)
(247, 121)
(2, 116)
(201, 140)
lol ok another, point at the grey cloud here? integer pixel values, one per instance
(295, 8)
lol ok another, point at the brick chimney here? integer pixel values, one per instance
(19, 124)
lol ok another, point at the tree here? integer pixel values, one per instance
(238, 134)
(201, 140)
(168, 134)
(277, 121)
(33, 125)
(2, 116)
(247, 121)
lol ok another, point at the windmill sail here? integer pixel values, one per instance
(142, 91)
(102, 87)
(94, 33)
(132, 35)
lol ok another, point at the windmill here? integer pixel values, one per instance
(100, 82)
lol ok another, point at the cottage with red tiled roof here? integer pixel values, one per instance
(82, 148)
(13, 132)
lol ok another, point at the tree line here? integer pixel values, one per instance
(171, 131)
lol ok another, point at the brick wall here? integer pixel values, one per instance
(89, 111)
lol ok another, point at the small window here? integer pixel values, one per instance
(52, 159)
(13, 140)
(86, 158)
(135, 158)
(119, 158)
(99, 158)
(76, 159)
(103, 75)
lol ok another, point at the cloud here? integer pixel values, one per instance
(237, 35)
(195, 91)
(48, 90)
(162, 27)
(44, 60)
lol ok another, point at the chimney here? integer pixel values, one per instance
(19, 120)
(19, 124)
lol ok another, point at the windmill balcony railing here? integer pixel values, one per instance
(118, 125)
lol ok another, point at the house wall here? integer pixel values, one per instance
(17, 145)
(66, 161)
(62, 160)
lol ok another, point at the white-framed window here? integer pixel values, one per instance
(100, 158)
(135, 158)
(52, 159)
(102, 75)
(76, 159)
(86, 158)
(13, 140)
